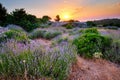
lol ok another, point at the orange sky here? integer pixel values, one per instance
(68, 9)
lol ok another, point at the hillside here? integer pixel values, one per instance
(108, 22)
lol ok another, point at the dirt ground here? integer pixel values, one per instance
(97, 69)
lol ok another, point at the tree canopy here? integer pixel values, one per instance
(3, 13)
(57, 18)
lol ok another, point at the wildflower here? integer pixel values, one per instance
(24, 61)
(97, 54)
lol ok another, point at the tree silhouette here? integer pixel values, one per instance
(27, 21)
(31, 18)
(3, 13)
(57, 18)
(19, 14)
(45, 19)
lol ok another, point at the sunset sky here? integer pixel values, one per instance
(68, 9)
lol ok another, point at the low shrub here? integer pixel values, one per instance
(114, 53)
(2, 38)
(90, 30)
(90, 23)
(51, 35)
(37, 34)
(90, 42)
(27, 25)
(44, 34)
(17, 35)
(68, 26)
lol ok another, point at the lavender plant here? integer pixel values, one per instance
(42, 62)
(43, 34)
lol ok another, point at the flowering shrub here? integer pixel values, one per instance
(43, 34)
(53, 63)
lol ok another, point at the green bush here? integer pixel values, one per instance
(36, 34)
(50, 35)
(91, 30)
(2, 38)
(90, 23)
(43, 34)
(90, 42)
(68, 26)
(27, 25)
(17, 35)
(114, 53)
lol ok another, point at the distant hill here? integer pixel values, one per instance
(108, 22)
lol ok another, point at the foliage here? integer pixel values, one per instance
(45, 19)
(18, 17)
(97, 55)
(108, 22)
(26, 21)
(40, 63)
(90, 42)
(3, 13)
(69, 26)
(90, 24)
(90, 30)
(2, 38)
(57, 18)
(43, 34)
(17, 35)
(114, 53)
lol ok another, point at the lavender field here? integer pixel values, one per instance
(73, 45)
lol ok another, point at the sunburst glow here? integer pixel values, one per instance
(66, 16)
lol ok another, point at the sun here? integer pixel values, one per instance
(66, 16)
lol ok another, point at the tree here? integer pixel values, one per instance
(19, 14)
(31, 18)
(27, 21)
(57, 18)
(45, 19)
(3, 13)
(91, 24)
